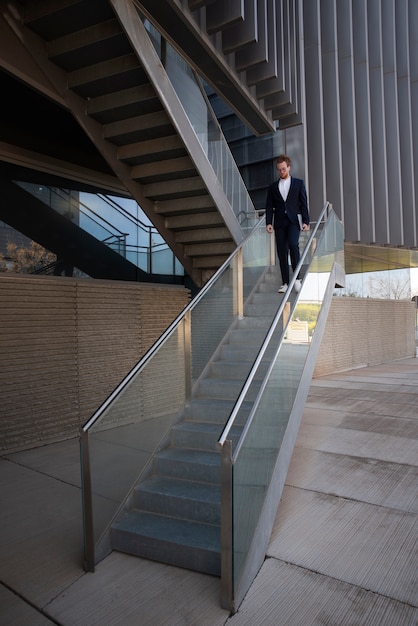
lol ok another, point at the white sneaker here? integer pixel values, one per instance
(283, 288)
(298, 285)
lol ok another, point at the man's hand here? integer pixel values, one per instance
(269, 228)
(305, 226)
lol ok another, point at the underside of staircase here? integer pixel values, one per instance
(174, 515)
(100, 59)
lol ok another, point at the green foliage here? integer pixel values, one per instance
(308, 312)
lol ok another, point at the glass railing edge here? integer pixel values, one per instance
(139, 366)
(225, 432)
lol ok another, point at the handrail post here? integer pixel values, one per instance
(187, 326)
(272, 240)
(227, 583)
(150, 251)
(238, 285)
(89, 560)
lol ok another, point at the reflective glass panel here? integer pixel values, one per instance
(123, 436)
(257, 453)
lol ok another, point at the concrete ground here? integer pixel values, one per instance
(343, 551)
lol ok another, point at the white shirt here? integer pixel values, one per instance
(284, 186)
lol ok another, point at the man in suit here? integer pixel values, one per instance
(287, 211)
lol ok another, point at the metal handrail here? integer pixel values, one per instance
(262, 351)
(88, 211)
(114, 232)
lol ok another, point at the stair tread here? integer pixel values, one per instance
(174, 487)
(212, 410)
(187, 533)
(199, 426)
(221, 380)
(193, 425)
(217, 404)
(254, 322)
(203, 457)
(239, 370)
(200, 434)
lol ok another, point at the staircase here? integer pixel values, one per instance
(175, 517)
(38, 221)
(201, 463)
(101, 61)
(97, 247)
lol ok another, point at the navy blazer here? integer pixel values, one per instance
(296, 202)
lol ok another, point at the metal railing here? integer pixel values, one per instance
(120, 439)
(255, 469)
(108, 221)
(191, 93)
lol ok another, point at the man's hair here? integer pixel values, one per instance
(285, 158)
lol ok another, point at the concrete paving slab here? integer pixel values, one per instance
(361, 384)
(44, 460)
(129, 591)
(41, 533)
(366, 480)
(16, 612)
(284, 594)
(382, 406)
(369, 546)
(398, 426)
(358, 443)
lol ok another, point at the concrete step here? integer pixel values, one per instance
(194, 501)
(266, 297)
(193, 465)
(199, 435)
(232, 370)
(270, 285)
(183, 543)
(227, 389)
(235, 370)
(272, 279)
(247, 337)
(213, 410)
(254, 322)
(208, 410)
(237, 352)
(263, 309)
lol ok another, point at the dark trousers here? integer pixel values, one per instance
(287, 240)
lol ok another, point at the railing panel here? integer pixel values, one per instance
(218, 308)
(207, 129)
(116, 226)
(256, 454)
(122, 442)
(119, 441)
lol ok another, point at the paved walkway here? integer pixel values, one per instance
(344, 548)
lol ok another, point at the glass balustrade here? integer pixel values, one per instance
(192, 96)
(206, 126)
(284, 356)
(120, 439)
(116, 223)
